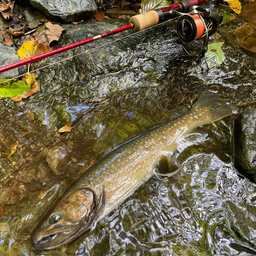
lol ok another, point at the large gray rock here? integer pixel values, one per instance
(133, 62)
(245, 143)
(65, 10)
(8, 56)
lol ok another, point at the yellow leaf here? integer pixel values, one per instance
(30, 78)
(235, 5)
(26, 50)
(13, 148)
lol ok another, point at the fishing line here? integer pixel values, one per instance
(86, 51)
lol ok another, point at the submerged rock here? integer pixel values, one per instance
(57, 158)
(66, 11)
(245, 143)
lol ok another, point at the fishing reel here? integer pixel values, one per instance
(199, 23)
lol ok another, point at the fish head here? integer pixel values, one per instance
(73, 215)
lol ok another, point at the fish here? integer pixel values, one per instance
(119, 173)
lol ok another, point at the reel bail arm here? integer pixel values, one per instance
(201, 22)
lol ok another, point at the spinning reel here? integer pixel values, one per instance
(199, 23)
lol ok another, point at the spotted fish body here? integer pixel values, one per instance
(117, 175)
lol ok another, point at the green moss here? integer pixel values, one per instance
(151, 76)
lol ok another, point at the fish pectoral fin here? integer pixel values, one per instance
(101, 203)
(165, 167)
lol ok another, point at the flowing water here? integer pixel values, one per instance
(205, 208)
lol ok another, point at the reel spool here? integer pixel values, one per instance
(200, 23)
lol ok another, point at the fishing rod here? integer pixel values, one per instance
(201, 22)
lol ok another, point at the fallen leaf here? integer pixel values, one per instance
(11, 88)
(99, 16)
(249, 13)
(78, 22)
(6, 9)
(41, 48)
(8, 41)
(214, 55)
(30, 78)
(35, 88)
(65, 128)
(246, 35)
(23, 134)
(147, 5)
(30, 116)
(228, 15)
(1, 210)
(13, 148)
(50, 32)
(235, 5)
(27, 49)
(16, 31)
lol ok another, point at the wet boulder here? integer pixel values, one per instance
(91, 71)
(8, 56)
(66, 11)
(245, 143)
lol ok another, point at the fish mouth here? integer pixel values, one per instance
(47, 242)
(48, 239)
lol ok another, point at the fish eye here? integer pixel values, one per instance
(54, 218)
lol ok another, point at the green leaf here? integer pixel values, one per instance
(147, 5)
(214, 55)
(12, 88)
(227, 16)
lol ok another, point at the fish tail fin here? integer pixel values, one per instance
(212, 108)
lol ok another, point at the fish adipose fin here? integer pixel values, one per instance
(212, 108)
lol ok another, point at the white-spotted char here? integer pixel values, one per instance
(118, 174)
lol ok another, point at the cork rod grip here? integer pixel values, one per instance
(144, 20)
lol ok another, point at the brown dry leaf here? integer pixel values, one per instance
(6, 9)
(23, 134)
(16, 32)
(78, 22)
(41, 48)
(35, 88)
(99, 16)
(235, 5)
(30, 116)
(13, 148)
(2, 210)
(65, 128)
(246, 36)
(50, 32)
(8, 41)
(249, 12)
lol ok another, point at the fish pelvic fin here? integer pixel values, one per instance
(212, 108)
